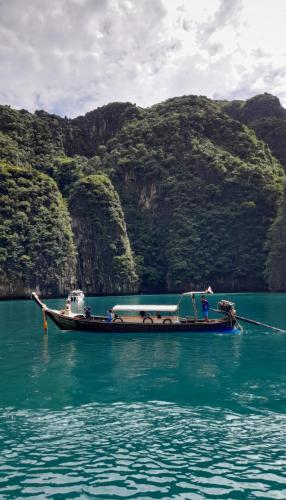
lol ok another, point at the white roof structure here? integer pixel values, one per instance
(145, 307)
(208, 290)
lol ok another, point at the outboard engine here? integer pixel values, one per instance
(227, 307)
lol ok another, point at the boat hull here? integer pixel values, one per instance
(101, 326)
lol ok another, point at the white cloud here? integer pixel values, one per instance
(70, 56)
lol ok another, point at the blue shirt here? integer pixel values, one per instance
(109, 316)
(205, 305)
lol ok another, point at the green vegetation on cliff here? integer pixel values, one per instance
(37, 139)
(30, 140)
(85, 133)
(186, 189)
(199, 191)
(36, 242)
(276, 262)
(265, 115)
(105, 261)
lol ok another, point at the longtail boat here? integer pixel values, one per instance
(144, 318)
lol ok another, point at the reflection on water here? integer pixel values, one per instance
(45, 342)
(198, 370)
(74, 367)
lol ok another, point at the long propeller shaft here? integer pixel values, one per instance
(252, 321)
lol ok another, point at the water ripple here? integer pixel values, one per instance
(146, 451)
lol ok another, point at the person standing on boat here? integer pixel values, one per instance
(67, 309)
(205, 307)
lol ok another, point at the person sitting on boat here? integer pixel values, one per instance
(87, 312)
(67, 309)
(110, 315)
(205, 307)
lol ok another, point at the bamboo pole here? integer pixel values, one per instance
(195, 307)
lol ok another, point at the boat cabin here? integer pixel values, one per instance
(76, 295)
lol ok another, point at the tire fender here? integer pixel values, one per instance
(167, 321)
(147, 318)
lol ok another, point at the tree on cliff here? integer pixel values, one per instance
(265, 115)
(199, 192)
(36, 241)
(276, 262)
(196, 188)
(105, 260)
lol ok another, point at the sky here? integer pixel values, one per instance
(72, 56)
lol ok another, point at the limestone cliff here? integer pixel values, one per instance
(189, 179)
(105, 261)
(276, 262)
(37, 250)
(199, 192)
(265, 115)
(84, 134)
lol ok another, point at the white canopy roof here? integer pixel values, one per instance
(208, 290)
(146, 308)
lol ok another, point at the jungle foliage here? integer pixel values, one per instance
(182, 194)
(105, 261)
(276, 262)
(199, 191)
(265, 115)
(36, 241)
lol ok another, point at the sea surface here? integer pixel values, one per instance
(143, 416)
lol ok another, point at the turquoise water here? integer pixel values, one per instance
(147, 416)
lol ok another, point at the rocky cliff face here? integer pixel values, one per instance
(186, 184)
(105, 261)
(265, 115)
(85, 133)
(37, 250)
(199, 192)
(276, 262)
